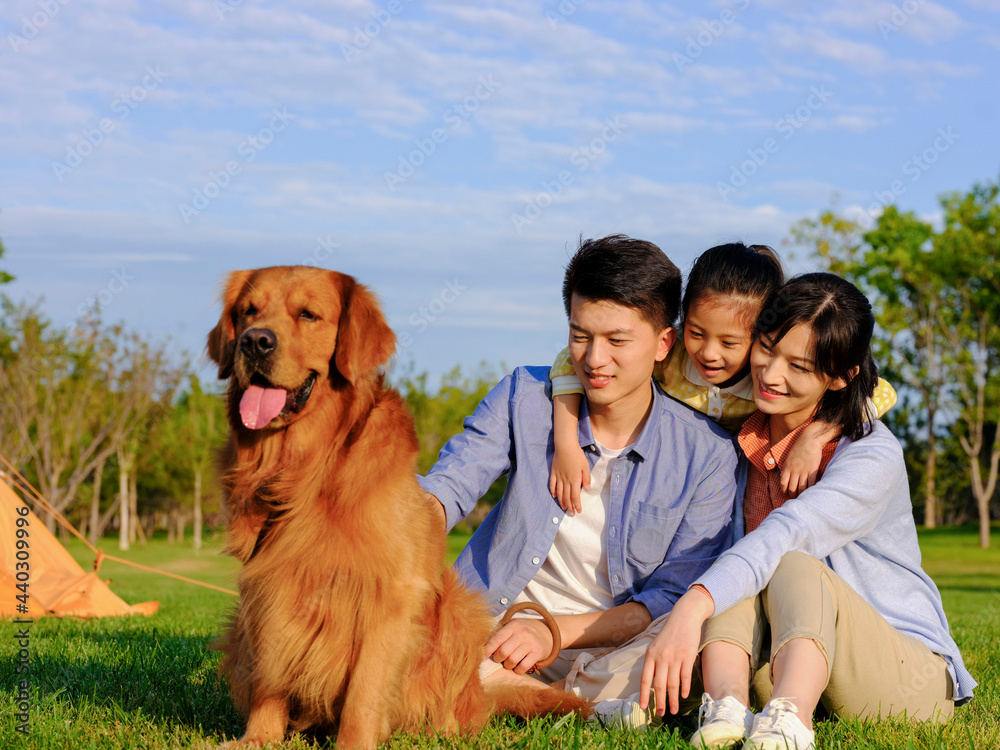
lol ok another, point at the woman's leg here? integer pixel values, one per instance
(830, 645)
(799, 673)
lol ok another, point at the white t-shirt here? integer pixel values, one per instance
(574, 577)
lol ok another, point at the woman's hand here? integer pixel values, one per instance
(671, 656)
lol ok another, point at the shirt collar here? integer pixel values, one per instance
(755, 440)
(741, 389)
(644, 445)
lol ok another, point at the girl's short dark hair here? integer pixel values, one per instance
(629, 272)
(747, 275)
(842, 324)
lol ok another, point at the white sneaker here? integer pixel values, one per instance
(778, 727)
(721, 723)
(625, 713)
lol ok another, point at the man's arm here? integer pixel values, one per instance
(524, 641)
(472, 460)
(609, 627)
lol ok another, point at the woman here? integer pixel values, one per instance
(826, 589)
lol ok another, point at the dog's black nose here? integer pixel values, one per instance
(258, 342)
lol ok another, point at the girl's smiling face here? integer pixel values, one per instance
(787, 383)
(717, 339)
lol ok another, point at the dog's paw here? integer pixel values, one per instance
(244, 743)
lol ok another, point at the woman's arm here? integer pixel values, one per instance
(846, 504)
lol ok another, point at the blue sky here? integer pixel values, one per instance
(449, 154)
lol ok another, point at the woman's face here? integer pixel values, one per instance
(787, 383)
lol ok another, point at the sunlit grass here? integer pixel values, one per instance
(139, 682)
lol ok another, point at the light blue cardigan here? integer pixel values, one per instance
(858, 519)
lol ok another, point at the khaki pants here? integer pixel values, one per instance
(602, 674)
(873, 669)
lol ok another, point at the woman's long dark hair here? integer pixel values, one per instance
(842, 323)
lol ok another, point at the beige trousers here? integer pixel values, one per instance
(602, 674)
(873, 669)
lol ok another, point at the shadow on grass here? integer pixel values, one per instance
(167, 677)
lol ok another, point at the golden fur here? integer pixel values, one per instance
(348, 621)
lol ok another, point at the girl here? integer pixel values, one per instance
(709, 371)
(827, 591)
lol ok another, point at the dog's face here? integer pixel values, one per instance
(286, 330)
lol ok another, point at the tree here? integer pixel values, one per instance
(74, 397)
(199, 423)
(4, 276)
(936, 296)
(897, 267)
(903, 266)
(971, 321)
(439, 415)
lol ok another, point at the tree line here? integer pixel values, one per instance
(120, 435)
(935, 292)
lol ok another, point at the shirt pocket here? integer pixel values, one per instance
(651, 529)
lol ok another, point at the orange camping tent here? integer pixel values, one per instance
(57, 585)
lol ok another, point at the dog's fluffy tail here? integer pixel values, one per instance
(531, 702)
(458, 626)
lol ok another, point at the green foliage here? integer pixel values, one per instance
(440, 414)
(936, 298)
(70, 398)
(138, 682)
(4, 276)
(187, 440)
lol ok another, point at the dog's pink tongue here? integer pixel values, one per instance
(260, 405)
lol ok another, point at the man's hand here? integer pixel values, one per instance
(519, 644)
(671, 656)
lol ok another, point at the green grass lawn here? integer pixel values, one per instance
(140, 682)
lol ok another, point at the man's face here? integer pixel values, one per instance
(613, 350)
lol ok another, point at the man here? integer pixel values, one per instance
(659, 508)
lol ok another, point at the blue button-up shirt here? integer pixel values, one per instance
(671, 505)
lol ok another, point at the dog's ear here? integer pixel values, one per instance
(364, 339)
(221, 344)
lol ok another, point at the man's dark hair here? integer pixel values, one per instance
(628, 272)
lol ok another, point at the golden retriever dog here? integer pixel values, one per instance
(348, 619)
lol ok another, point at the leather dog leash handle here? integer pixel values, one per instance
(550, 622)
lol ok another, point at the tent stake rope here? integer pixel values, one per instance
(14, 478)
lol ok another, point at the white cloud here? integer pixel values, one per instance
(927, 22)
